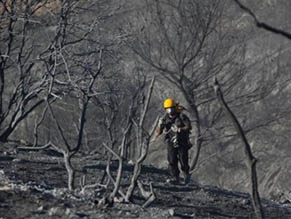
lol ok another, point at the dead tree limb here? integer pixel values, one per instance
(195, 158)
(250, 159)
(112, 179)
(38, 122)
(85, 186)
(120, 161)
(119, 172)
(146, 106)
(143, 140)
(149, 196)
(138, 163)
(70, 170)
(263, 25)
(34, 148)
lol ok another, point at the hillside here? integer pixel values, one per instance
(265, 118)
(32, 185)
(75, 76)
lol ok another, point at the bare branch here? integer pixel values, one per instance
(60, 130)
(113, 181)
(35, 148)
(263, 25)
(148, 98)
(150, 196)
(143, 143)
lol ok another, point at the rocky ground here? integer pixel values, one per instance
(33, 185)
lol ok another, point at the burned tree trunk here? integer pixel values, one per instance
(143, 139)
(250, 159)
(70, 170)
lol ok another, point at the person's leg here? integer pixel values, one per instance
(183, 159)
(173, 162)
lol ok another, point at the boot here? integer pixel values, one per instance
(187, 178)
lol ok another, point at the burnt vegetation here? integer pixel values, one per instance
(81, 86)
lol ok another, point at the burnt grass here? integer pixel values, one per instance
(33, 185)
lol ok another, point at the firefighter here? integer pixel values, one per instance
(176, 126)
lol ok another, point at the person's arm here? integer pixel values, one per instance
(159, 131)
(187, 124)
(185, 128)
(160, 127)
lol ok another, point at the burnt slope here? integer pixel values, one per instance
(32, 185)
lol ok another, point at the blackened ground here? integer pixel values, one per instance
(33, 185)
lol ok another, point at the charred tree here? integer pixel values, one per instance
(250, 159)
(143, 142)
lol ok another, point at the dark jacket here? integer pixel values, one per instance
(181, 120)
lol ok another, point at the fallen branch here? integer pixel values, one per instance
(113, 181)
(90, 186)
(150, 196)
(48, 145)
(35, 148)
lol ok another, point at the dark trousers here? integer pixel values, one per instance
(175, 156)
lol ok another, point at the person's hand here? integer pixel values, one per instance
(175, 128)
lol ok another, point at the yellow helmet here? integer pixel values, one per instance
(169, 103)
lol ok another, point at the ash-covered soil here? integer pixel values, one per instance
(33, 185)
